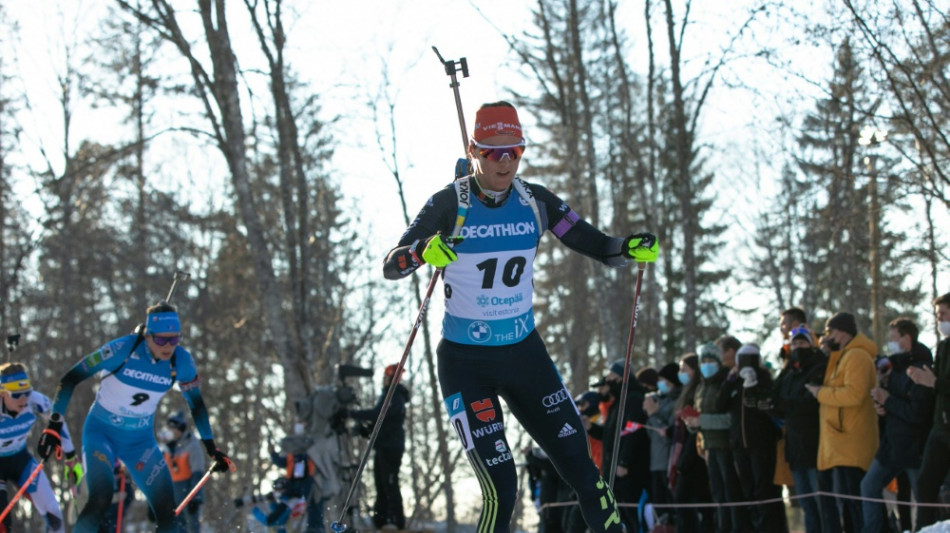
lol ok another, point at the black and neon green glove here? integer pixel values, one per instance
(642, 247)
(436, 252)
(74, 470)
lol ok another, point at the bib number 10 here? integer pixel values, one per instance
(511, 272)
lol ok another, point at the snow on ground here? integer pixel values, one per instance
(942, 527)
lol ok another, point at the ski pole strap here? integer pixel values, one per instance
(59, 449)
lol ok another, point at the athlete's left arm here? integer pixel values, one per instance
(189, 383)
(575, 232)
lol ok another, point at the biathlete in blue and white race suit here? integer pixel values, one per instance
(21, 407)
(136, 374)
(490, 347)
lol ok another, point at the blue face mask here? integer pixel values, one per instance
(684, 378)
(663, 386)
(709, 370)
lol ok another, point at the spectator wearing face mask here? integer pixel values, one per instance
(689, 478)
(186, 461)
(633, 456)
(848, 436)
(659, 407)
(747, 396)
(799, 409)
(905, 409)
(715, 423)
(936, 462)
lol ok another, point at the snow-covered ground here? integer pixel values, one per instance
(942, 527)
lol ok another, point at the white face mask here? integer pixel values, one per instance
(166, 435)
(944, 328)
(893, 347)
(298, 428)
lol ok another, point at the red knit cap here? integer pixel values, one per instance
(496, 120)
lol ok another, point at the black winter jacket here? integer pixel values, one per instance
(799, 408)
(752, 427)
(392, 434)
(909, 411)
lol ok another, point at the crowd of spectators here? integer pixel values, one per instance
(707, 442)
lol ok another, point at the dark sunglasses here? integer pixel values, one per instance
(162, 341)
(21, 394)
(497, 153)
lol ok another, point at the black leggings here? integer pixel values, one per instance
(933, 471)
(472, 379)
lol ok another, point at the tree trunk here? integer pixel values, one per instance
(226, 94)
(683, 180)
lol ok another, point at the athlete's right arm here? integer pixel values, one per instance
(102, 359)
(437, 215)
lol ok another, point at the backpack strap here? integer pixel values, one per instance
(463, 192)
(526, 193)
(140, 330)
(140, 336)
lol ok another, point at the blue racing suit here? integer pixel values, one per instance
(16, 463)
(119, 424)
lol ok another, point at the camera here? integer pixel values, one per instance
(323, 412)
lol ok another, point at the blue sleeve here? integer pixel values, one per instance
(108, 358)
(189, 383)
(279, 460)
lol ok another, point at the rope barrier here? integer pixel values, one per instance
(699, 505)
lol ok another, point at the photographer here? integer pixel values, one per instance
(186, 461)
(297, 489)
(390, 445)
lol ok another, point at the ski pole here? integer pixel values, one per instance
(201, 483)
(118, 516)
(19, 493)
(339, 526)
(626, 373)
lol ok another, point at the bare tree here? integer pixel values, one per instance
(219, 91)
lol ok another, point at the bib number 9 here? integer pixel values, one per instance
(140, 398)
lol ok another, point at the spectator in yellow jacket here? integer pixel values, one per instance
(848, 433)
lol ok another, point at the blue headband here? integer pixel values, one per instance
(166, 322)
(15, 382)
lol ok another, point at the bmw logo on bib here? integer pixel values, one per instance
(479, 331)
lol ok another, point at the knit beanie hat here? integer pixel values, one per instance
(748, 355)
(593, 403)
(178, 421)
(648, 376)
(617, 367)
(710, 351)
(844, 322)
(670, 371)
(801, 332)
